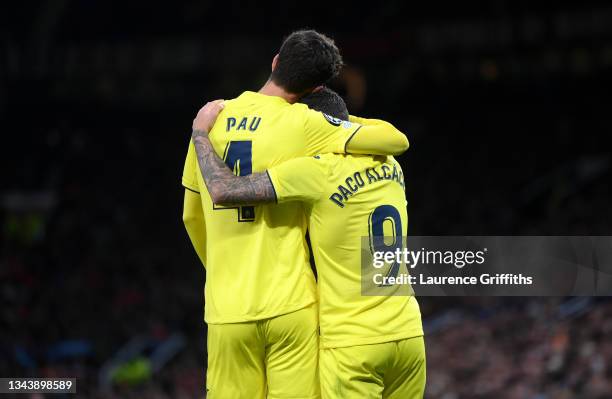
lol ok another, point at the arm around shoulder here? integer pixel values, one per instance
(376, 137)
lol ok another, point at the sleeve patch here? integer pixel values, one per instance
(337, 121)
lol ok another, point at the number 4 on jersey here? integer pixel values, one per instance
(239, 157)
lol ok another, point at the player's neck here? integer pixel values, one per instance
(272, 89)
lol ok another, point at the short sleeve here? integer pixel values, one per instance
(299, 179)
(190, 170)
(325, 134)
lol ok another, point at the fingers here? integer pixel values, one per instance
(212, 106)
(215, 103)
(207, 115)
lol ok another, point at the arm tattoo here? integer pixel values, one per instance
(225, 187)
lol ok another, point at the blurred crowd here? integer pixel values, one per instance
(525, 349)
(86, 270)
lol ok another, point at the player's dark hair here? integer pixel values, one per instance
(306, 59)
(328, 102)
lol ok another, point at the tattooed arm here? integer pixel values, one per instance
(224, 187)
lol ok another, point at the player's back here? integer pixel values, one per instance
(363, 198)
(256, 258)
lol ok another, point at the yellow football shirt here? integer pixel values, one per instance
(346, 198)
(256, 258)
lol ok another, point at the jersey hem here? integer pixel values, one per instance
(275, 183)
(263, 316)
(189, 185)
(349, 139)
(372, 340)
(273, 188)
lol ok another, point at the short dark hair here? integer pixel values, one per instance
(327, 101)
(306, 59)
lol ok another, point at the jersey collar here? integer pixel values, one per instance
(251, 95)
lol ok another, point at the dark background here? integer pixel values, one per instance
(506, 104)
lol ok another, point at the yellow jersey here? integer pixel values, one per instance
(256, 259)
(348, 199)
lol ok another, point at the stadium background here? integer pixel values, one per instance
(506, 104)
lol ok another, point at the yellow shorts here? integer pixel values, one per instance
(271, 358)
(391, 370)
